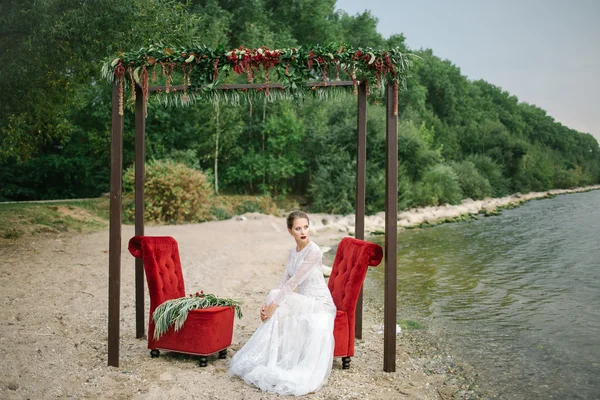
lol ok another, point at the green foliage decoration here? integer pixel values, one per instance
(174, 312)
(201, 68)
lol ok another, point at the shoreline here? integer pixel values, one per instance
(434, 215)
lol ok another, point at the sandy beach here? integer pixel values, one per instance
(53, 336)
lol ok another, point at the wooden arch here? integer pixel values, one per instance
(116, 173)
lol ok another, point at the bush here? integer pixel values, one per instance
(220, 213)
(248, 206)
(438, 186)
(574, 177)
(471, 182)
(226, 206)
(492, 171)
(535, 171)
(174, 193)
(566, 179)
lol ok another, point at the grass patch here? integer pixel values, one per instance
(409, 324)
(23, 219)
(31, 218)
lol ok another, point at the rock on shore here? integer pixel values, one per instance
(430, 215)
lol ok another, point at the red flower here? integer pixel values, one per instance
(197, 294)
(202, 291)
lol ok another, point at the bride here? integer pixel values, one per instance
(291, 352)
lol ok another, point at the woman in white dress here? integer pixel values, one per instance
(291, 352)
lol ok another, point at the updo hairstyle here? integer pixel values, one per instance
(294, 215)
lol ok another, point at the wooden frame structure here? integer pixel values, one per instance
(116, 172)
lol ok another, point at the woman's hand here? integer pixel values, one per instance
(262, 312)
(267, 312)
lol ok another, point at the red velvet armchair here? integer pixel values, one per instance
(352, 259)
(206, 331)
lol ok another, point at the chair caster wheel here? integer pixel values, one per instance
(223, 354)
(346, 362)
(203, 362)
(154, 353)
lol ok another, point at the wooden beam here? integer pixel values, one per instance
(140, 172)
(391, 234)
(361, 174)
(239, 86)
(114, 246)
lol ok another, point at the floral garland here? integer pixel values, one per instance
(174, 312)
(201, 68)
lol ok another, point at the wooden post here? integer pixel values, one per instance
(140, 172)
(391, 233)
(114, 247)
(361, 173)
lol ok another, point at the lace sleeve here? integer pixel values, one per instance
(311, 260)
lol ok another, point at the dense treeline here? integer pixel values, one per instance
(457, 138)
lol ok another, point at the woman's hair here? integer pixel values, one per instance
(294, 215)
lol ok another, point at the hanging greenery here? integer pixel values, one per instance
(199, 70)
(174, 312)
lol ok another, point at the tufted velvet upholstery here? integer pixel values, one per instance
(162, 266)
(352, 259)
(205, 331)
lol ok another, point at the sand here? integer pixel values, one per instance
(53, 339)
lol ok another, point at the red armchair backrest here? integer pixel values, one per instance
(352, 259)
(162, 265)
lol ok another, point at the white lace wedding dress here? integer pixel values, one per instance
(292, 352)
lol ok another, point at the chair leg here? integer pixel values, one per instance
(223, 354)
(346, 362)
(203, 361)
(154, 353)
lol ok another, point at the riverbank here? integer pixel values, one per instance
(430, 216)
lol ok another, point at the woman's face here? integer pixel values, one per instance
(300, 230)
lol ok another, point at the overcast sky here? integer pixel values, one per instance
(545, 52)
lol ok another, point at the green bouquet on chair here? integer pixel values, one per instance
(175, 311)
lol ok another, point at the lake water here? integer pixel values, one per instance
(517, 296)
